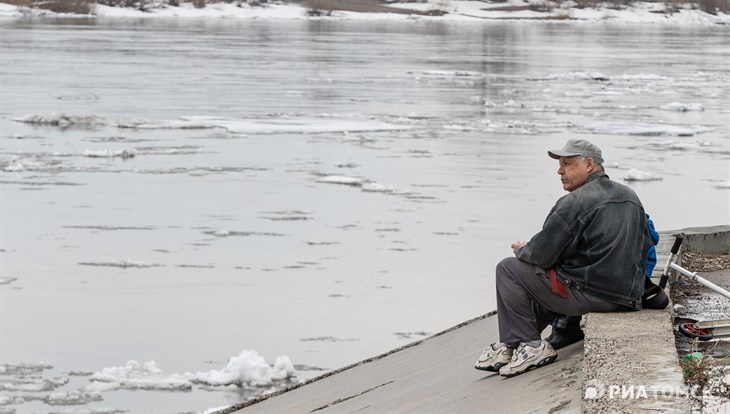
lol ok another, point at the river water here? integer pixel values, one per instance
(189, 191)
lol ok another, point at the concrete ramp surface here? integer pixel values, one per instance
(435, 375)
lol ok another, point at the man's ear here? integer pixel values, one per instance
(590, 164)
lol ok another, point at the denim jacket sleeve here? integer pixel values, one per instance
(546, 247)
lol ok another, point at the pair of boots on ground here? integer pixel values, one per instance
(566, 331)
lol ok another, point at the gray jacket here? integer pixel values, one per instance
(597, 238)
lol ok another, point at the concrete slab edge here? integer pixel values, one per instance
(245, 404)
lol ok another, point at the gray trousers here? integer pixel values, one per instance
(526, 304)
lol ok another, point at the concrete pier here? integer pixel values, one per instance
(436, 375)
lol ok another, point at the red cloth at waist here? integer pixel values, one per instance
(556, 285)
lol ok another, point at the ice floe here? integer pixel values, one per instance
(636, 174)
(175, 150)
(140, 123)
(33, 384)
(646, 129)
(642, 77)
(453, 73)
(341, 179)
(507, 104)
(35, 162)
(232, 233)
(87, 96)
(124, 264)
(597, 76)
(136, 376)
(123, 153)
(287, 215)
(23, 368)
(667, 145)
(328, 339)
(297, 124)
(378, 188)
(363, 184)
(682, 107)
(5, 280)
(73, 397)
(200, 171)
(110, 227)
(63, 120)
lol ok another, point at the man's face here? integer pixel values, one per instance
(574, 171)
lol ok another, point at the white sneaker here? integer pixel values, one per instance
(494, 357)
(528, 357)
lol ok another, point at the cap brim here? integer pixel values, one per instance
(561, 153)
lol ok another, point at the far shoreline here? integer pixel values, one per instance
(532, 11)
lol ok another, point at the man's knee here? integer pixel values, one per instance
(507, 272)
(507, 265)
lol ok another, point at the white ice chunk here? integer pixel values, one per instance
(248, 368)
(508, 104)
(378, 188)
(131, 370)
(635, 174)
(136, 376)
(341, 179)
(682, 107)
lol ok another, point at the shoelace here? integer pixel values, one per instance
(522, 351)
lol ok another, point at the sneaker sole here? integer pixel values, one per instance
(493, 368)
(545, 361)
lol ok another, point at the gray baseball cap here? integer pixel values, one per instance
(578, 147)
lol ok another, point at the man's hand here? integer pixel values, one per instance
(517, 246)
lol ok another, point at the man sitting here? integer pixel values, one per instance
(583, 260)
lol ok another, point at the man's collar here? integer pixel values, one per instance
(595, 175)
